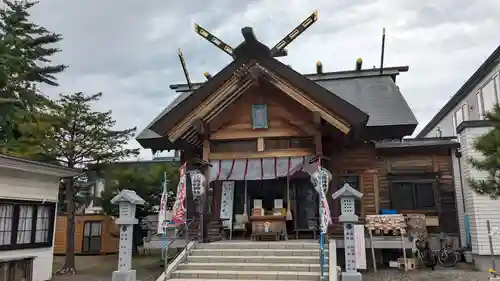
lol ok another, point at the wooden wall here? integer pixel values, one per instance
(232, 135)
(374, 169)
(109, 243)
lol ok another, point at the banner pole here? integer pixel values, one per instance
(321, 226)
(164, 226)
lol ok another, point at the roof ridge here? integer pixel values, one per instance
(325, 76)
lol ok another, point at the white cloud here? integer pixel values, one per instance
(128, 49)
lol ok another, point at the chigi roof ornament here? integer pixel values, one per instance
(277, 51)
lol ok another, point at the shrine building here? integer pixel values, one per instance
(258, 128)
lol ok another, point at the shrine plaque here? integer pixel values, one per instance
(259, 116)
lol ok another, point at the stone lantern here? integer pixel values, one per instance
(348, 217)
(127, 201)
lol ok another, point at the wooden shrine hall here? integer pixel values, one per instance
(256, 127)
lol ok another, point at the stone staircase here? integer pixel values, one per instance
(227, 260)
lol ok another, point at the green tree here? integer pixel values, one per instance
(25, 52)
(147, 182)
(489, 145)
(79, 137)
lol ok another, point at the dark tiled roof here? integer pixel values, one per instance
(377, 96)
(421, 142)
(462, 93)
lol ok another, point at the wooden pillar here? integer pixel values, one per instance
(317, 135)
(202, 130)
(376, 193)
(206, 152)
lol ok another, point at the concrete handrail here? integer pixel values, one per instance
(177, 261)
(332, 260)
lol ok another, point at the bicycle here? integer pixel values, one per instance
(424, 253)
(447, 256)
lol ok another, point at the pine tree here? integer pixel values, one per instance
(489, 145)
(25, 52)
(83, 137)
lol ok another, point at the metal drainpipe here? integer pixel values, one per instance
(458, 154)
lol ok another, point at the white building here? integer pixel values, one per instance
(463, 117)
(28, 198)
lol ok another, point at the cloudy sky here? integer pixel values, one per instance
(127, 49)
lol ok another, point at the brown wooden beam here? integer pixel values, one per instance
(204, 134)
(198, 126)
(231, 85)
(317, 136)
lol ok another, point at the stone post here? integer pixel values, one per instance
(127, 201)
(348, 217)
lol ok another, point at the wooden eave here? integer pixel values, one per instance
(210, 108)
(233, 89)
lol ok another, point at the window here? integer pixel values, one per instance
(488, 97)
(6, 214)
(353, 181)
(497, 82)
(16, 270)
(454, 124)
(92, 236)
(480, 107)
(412, 196)
(462, 114)
(459, 116)
(26, 224)
(43, 224)
(465, 111)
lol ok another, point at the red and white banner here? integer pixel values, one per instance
(259, 168)
(179, 209)
(162, 212)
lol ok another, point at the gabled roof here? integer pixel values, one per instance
(462, 93)
(364, 97)
(375, 94)
(340, 107)
(250, 51)
(20, 164)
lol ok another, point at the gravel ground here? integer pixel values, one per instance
(100, 268)
(440, 274)
(385, 275)
(141, 276)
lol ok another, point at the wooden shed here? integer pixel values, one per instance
(94, 235)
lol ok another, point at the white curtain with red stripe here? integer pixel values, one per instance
(259, 168)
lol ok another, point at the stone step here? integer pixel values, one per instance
(187, 279)
(277, 267)
(256, 252)
(246, 275)
(259, 245)
(258, 259)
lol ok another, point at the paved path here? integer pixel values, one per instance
(441, 274)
